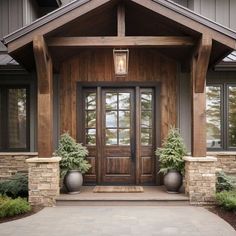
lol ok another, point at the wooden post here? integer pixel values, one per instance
(45, 97)
(121, 20)
(199, 67)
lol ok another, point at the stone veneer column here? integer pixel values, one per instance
(43, 180)
(200, 179)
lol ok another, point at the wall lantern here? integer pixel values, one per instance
(121, 61)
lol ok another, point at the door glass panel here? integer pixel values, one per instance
(213, 116)
(124, 101)
(146, 137)
(111, 119)
(111, 136)
(146, 100)
(17, 118)
(124, 119)
(90, 117)
(111, 101)
(124, 137)
(146, 119)
(118, 118)
(90, 103)
(232, 116)
(146, 116)
(91, 137)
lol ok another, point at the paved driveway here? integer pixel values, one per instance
(119, 220)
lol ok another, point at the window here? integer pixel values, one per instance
(146, 117)
(221, 116)
(14, 118)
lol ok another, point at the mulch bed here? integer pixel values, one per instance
(17, 217)
(228, 216)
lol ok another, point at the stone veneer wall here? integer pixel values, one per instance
(12, 163)
(43, 180)
(200, 179)
(226, 161)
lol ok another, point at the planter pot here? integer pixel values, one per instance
(173, 181)
(73, 181)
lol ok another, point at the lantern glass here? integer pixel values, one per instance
(121, 58)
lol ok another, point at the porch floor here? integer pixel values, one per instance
(152, 195)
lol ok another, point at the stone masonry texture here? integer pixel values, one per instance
(200, 181)
(12, 163)
(43, 181)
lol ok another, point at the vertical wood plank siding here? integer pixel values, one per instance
(96, 65)
(220, 11)
(11, 17)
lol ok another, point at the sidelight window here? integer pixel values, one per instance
(146, 117)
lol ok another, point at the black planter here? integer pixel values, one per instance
(173, 181)
(73, 181)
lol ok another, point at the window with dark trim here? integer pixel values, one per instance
(14, 118)
(221, 116)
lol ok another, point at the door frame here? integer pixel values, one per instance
(98, 86)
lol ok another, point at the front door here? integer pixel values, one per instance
(118, 143)
(118, 128)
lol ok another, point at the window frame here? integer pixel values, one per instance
(224, 106)
(4, 119)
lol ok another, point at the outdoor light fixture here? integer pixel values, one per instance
(121, 60)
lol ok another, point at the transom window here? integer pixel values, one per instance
(221, 116)
(14, 119)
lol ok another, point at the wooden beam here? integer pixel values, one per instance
(45, 97)
(159, 41)
(202, 63)
(121, 20)
(199, 100)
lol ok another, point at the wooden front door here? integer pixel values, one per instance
(118, 128)
(118, 144)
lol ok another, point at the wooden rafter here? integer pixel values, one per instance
(121, 20)
(45, 97)
(202, 63)
(130, 41)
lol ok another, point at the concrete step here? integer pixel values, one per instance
(152, 196)
(60, 202)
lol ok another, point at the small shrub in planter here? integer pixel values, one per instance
(15, 187)
(73, 163)
(227, 200)
(171, 160)
(223, 182)
(12, 207)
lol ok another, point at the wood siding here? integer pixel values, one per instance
(11, 17)
(221, 11)
(145, 65)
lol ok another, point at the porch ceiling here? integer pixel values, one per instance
(98, 18)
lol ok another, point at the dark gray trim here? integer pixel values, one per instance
(75, 4)
(225, 66)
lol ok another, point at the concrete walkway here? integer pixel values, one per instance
(120, 221)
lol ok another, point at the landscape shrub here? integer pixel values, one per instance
(223, 182)
(17, 186)
(11, 207)
(227, 200)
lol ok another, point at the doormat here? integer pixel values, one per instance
(118, 189)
